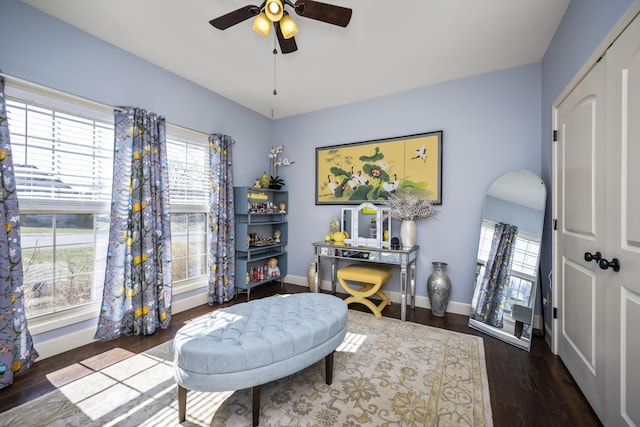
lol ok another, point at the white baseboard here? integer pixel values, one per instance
(395, 297)
(548, 337)
(63, 343)
(185, 304)
(537, 322)
(454, 307)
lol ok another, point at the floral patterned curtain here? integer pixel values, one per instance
(495, 282)
(137, 287)
(222, 265)
(16, 345)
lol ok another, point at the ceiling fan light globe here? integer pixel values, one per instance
(274, 10)
(274, 7)
(288, 27)
(262, 25)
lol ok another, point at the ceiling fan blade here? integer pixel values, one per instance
(329, 13)
(232, 18)
(286, 45)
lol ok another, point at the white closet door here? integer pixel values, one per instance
(622, 397)
(580, 209)
(598, 208)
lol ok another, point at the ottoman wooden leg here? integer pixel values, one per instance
(182, 404)
(328, 365)
(255, 393)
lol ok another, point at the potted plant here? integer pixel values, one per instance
(276, 183)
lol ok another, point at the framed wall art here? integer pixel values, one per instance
(370, 171)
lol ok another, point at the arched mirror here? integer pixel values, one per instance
(504, 297)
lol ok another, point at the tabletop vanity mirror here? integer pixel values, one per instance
(366, 225)
(504, 296)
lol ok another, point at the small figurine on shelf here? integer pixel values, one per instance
(276, 236)
(256, 184)
(274, 270)
(264, 180)
(283, 207)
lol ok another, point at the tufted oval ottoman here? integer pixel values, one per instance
(253, 343)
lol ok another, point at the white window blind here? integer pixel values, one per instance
(58, 155)
(188, 171)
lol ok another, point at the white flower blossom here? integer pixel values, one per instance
(276, 161)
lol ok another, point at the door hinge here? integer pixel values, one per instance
(555, 312)
(555, 224)
(604, 54)
(555, 136)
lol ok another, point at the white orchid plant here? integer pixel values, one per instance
(276, 161)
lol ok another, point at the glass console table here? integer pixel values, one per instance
(403, 258)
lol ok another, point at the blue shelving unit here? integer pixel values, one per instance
(261, 214)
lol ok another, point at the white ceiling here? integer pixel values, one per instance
(388, 47)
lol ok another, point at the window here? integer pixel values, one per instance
(523, 269)
(188, 159)
(63, 169)
(63, 259)
(62, 150)
(525, 254)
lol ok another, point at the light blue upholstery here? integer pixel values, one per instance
(263, 340)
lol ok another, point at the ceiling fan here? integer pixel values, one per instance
(272, 11)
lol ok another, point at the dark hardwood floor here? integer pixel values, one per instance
(527, 388)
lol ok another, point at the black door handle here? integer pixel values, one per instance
(614, 264)
(588, 256)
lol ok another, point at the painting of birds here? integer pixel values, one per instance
(392, 185)
(332, 185)
(375, 170)
(421, 154)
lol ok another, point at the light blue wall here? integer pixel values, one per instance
(44, 50)
(491, 125)
(585, 24)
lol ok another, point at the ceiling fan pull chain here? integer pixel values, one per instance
(275, 52)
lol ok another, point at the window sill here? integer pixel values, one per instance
(53, 321)
(50, 322)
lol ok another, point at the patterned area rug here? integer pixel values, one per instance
(386, 373)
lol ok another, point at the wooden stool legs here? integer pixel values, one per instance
(371, 279)
(363, 293)
(182, 404)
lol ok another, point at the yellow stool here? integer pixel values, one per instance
(372, 278)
